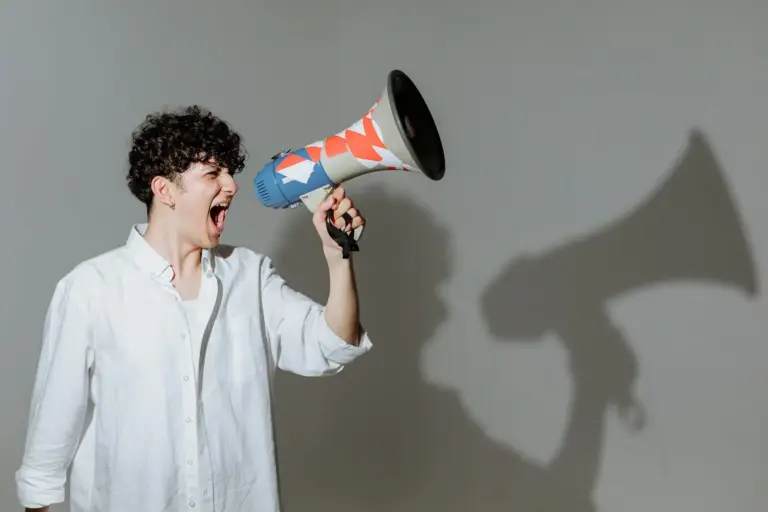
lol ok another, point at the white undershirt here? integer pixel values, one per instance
(197, 324)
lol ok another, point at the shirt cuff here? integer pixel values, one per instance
(30, 496)
(336, 349)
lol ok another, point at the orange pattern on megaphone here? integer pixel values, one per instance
(361, 145)
(314, 152)
(361, 140)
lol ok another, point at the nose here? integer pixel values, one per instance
(228, 184)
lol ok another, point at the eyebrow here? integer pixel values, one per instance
(211, 167)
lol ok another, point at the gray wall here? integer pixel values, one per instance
(596, 248)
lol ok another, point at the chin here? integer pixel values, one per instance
(207, 240)
(212, 242)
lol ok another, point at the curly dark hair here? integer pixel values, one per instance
(168, 142)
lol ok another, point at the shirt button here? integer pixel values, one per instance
(186, 378)
(189, 420)
(191, 504)
(189, 463)
(183, 335)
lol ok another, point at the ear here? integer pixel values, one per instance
(164, 190)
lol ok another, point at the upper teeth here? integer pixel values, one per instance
(222, 205)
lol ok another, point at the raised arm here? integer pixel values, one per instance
(59, 400)
(305, 337)
(342, 308)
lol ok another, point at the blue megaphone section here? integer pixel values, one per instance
(283, 189)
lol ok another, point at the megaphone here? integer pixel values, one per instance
(398, 133)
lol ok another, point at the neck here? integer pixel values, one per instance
(163, 237)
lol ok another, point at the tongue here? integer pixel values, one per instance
(219, 218)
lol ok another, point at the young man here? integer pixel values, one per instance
(155, 376)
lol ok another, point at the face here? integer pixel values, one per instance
(202, 201)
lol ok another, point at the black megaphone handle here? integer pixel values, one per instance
(345, 240)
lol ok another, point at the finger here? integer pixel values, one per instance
(338, 193)
(327, 204)
(343, 222)
(352, 212)
(357, 222)
(342, 207)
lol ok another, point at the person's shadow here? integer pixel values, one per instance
(377, 437)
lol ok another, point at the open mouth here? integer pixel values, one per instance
(218, 213)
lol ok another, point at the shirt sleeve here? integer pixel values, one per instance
(300, 339)
(59, 400)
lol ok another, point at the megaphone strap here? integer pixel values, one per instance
(345, 240)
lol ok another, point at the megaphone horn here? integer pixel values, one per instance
(398, 133)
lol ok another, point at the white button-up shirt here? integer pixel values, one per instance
(148, 423)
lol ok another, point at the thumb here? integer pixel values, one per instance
(327, 204)
(322, 209)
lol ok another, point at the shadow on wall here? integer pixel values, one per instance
(378, 438)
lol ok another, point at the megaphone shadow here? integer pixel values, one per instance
(378, 438)
(687, 230)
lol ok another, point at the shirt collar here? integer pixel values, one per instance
(148, 259)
